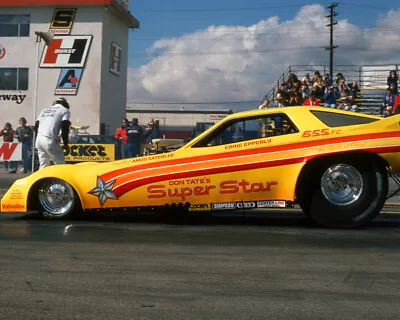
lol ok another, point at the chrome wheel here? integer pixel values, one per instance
(56, 197)
(342, 184)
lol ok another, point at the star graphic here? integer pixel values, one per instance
(103, 191)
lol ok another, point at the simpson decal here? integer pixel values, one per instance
(224, 206)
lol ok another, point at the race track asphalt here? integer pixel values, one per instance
(268, 266)
(140, 268)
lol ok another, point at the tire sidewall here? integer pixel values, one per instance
(361, 211)
(48, 215)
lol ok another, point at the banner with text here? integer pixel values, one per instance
(90, 152)
(10, 151)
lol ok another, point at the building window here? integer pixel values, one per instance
(13, 78)
(14, 25)
(115, 63)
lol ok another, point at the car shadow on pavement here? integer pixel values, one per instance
(274, 218)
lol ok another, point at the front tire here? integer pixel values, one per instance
(346, 194)
(56, 199)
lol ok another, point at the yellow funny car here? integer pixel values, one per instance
(334, 164)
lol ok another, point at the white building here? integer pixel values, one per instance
(86, 62)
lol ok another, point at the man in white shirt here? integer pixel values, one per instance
(264, 104)
(48, 126)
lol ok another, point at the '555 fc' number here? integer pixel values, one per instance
(320, 132)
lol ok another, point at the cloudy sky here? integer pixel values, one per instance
(233, 51)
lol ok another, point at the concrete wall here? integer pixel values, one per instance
(114, 86)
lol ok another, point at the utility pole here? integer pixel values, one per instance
(333, 14)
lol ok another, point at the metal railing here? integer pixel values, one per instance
(371, 79)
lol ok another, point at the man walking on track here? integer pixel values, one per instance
(48, 126)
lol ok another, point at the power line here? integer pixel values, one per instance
(345, 3)
(186, 10)
(264, 35)
(200, 53)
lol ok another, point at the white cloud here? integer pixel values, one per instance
(241, 63)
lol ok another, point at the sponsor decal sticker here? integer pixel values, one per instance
(90, 152)
(67, 52)
(271, 204)
(223, 206)
(3, 51)
(68, 81)
(12, 207)
(245, 205)
(62, 20)
(199, 207)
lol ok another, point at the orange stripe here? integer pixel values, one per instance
(120, 190)
(226, 155)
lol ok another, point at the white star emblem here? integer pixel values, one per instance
(103, 191)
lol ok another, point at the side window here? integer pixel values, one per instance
(14, 78)
(14, 25)
(249, 129)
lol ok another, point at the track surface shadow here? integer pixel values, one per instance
(274, 218)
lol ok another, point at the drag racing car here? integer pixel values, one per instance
(334, 164)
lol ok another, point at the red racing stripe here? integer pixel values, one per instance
(288, 147)
(128, 186)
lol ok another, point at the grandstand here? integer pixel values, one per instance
(371, 79)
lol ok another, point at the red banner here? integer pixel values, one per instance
(10, 151)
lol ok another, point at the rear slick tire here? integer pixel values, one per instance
(348, 194)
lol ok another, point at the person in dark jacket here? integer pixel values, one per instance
(152, 131)
(387, 103)
(8, 136)
(134, 133)
(330, 98)
(121, 137)
(24, 134)
(393, 80)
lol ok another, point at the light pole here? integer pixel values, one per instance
(47, 37)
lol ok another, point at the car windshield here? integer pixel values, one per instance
(251, 128)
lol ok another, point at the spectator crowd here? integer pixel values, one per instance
(322, 90)
(24, 135)
(130, 136)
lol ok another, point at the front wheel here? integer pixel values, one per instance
(347, 194)
(56, 199)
